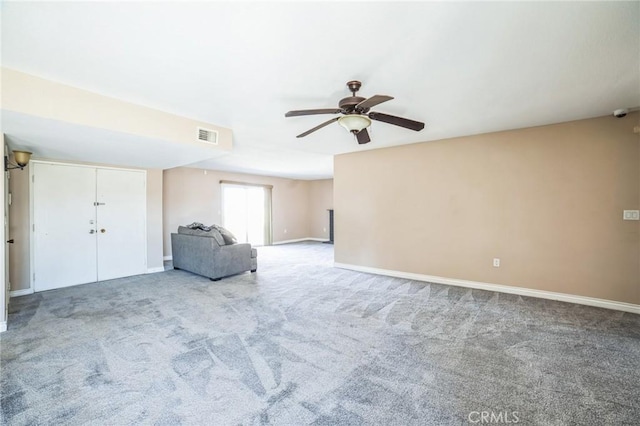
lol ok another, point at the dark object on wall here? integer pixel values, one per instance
(330, 227)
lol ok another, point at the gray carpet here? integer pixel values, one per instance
(303, 343)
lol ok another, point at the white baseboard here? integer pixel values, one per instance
(298, 240)
(154, 270)
(23, 292)
(3, 326)
(167, 258)
(542, 294)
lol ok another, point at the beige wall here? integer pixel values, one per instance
(19, 256)
(547, 201)
(32, 95)
(193, 195)
(154, 219)
(320, 200)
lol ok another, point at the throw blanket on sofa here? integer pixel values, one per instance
(222, 235)
(198, 225)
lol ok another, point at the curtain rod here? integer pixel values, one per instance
(232, 182)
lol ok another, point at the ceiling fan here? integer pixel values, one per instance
(356, 116)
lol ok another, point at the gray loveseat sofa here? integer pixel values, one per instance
(206, 253)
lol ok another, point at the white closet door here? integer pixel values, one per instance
(64, 216)
(121, 223)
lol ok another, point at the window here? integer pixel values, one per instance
(246, 212)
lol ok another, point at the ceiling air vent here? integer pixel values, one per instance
(208, 136)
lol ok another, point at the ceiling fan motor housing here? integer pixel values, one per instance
(348, 105)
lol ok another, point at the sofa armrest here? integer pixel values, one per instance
(233, 258)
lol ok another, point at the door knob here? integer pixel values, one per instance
(10, 241)
(102, 231)
(93, 231)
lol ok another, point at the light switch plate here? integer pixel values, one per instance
(631, 215)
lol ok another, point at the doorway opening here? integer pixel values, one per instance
(246, 212)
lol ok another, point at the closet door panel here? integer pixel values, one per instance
(64, 226)
(121, 223)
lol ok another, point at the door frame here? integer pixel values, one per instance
(31, 288)
(4, 250)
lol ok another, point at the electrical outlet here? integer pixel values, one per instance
(285, 231)
(631, 214)
(324, 229)
(496, 262)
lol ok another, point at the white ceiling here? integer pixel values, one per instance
(463, 68)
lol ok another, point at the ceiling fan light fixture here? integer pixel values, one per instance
(354, 122)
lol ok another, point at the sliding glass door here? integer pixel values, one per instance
(246, 212)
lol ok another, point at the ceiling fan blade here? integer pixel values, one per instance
(312, 112)
(326, 123)
(373, 101)
(363, 137)
(398, 121)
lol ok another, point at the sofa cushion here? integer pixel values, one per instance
(213, 233)
(228, 237)
(217, 236)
